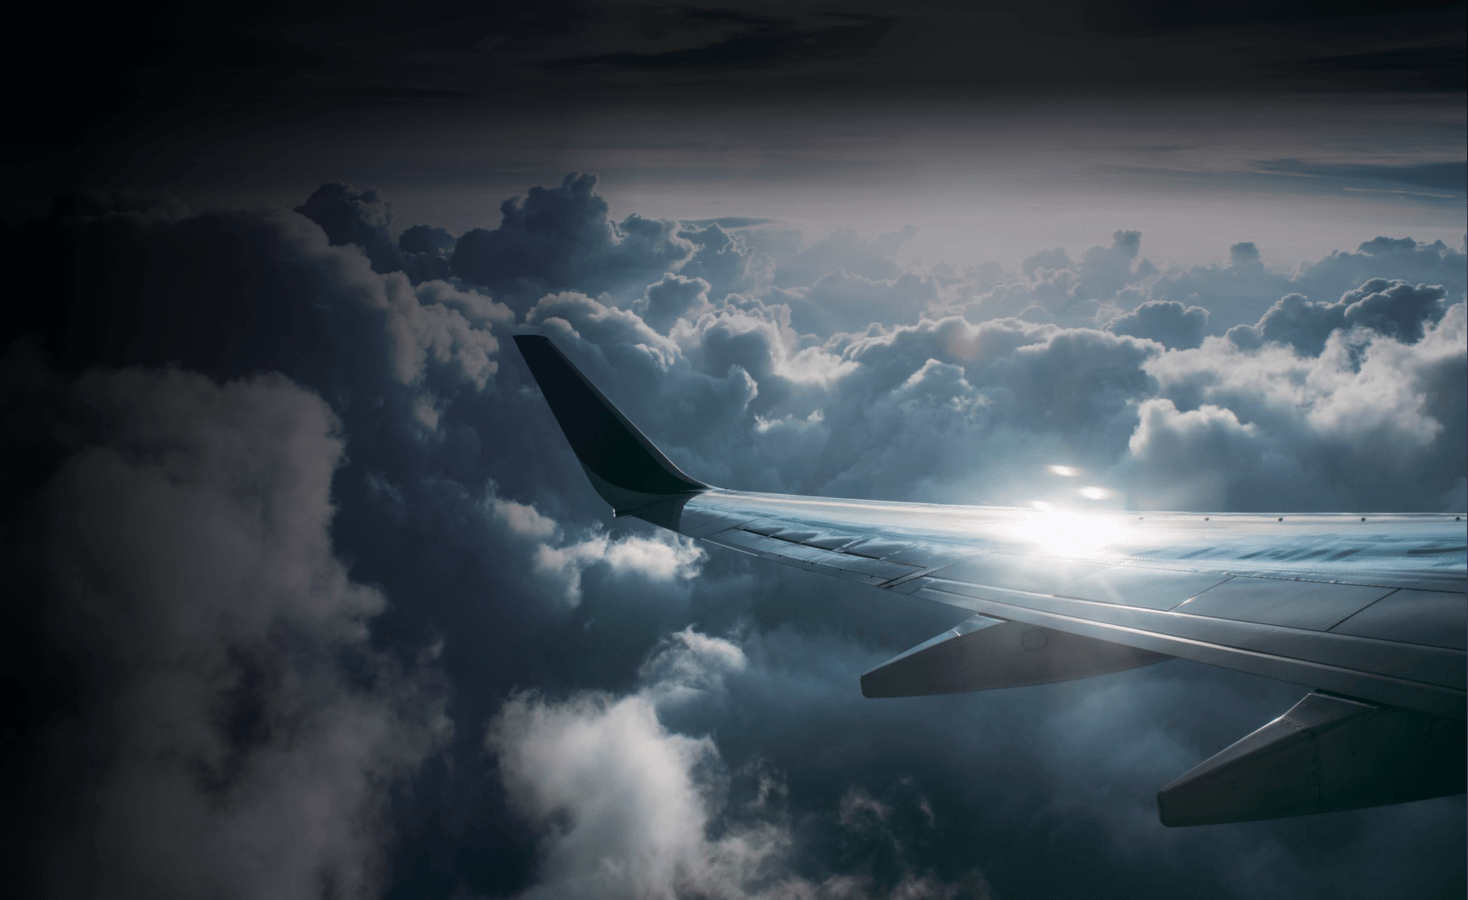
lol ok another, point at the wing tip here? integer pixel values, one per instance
(625, 467)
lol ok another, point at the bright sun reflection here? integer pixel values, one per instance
(1068, 534)
(1065, 471)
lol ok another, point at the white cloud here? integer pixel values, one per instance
(628, 808)
(666, 557)
(558, 562)
(635, 800)
(688, 664)
(1354, 427)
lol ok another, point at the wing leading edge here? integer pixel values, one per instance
(1367, 610)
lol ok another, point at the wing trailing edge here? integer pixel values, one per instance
(981, 654)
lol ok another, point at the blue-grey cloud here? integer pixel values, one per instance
(561, 238)
(350, 217)
(1109, 282)
(1165, 321)
(1393, 308)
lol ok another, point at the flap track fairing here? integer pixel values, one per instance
(1326, 754)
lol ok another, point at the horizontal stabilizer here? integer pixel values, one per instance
(623, 465)
(981, 653)
(1325, 755)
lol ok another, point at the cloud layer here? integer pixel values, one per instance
(314, 590)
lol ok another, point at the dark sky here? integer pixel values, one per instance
(307, 597)
(270, 56)
(179, 69)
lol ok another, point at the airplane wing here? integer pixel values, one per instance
(1368, 610)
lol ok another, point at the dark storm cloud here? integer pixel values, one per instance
(225, 726)
(417, 542)
(1388, 307)
(363, 218)
(193, 60)
(561, 238)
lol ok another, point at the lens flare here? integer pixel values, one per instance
(1068, 534)
(1064, 471)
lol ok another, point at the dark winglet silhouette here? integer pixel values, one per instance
(624, 466)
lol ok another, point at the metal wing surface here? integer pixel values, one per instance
(1367, 609)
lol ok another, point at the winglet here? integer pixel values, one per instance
(623, 465)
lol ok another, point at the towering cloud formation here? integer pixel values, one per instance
(300, 545)
(561, 238)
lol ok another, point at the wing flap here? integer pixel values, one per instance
(1424, 678)
(1135, 586)
(982, 653)
(1432, 618)
(1292, 603)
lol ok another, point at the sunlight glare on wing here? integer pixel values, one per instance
(1095, 493)
(1068, 534)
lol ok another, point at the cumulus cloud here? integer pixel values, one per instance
(232, 731)
(363, 218)
(625, 785)
(1166, 322)
(1370, 423)
(628, 807)
(561, 238)
(661, 558)
(725, 260)
(1392, 308)
(1108, 282)
(672, 298)
(558, 561)
(636, 799)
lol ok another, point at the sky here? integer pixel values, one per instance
(307, 596)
